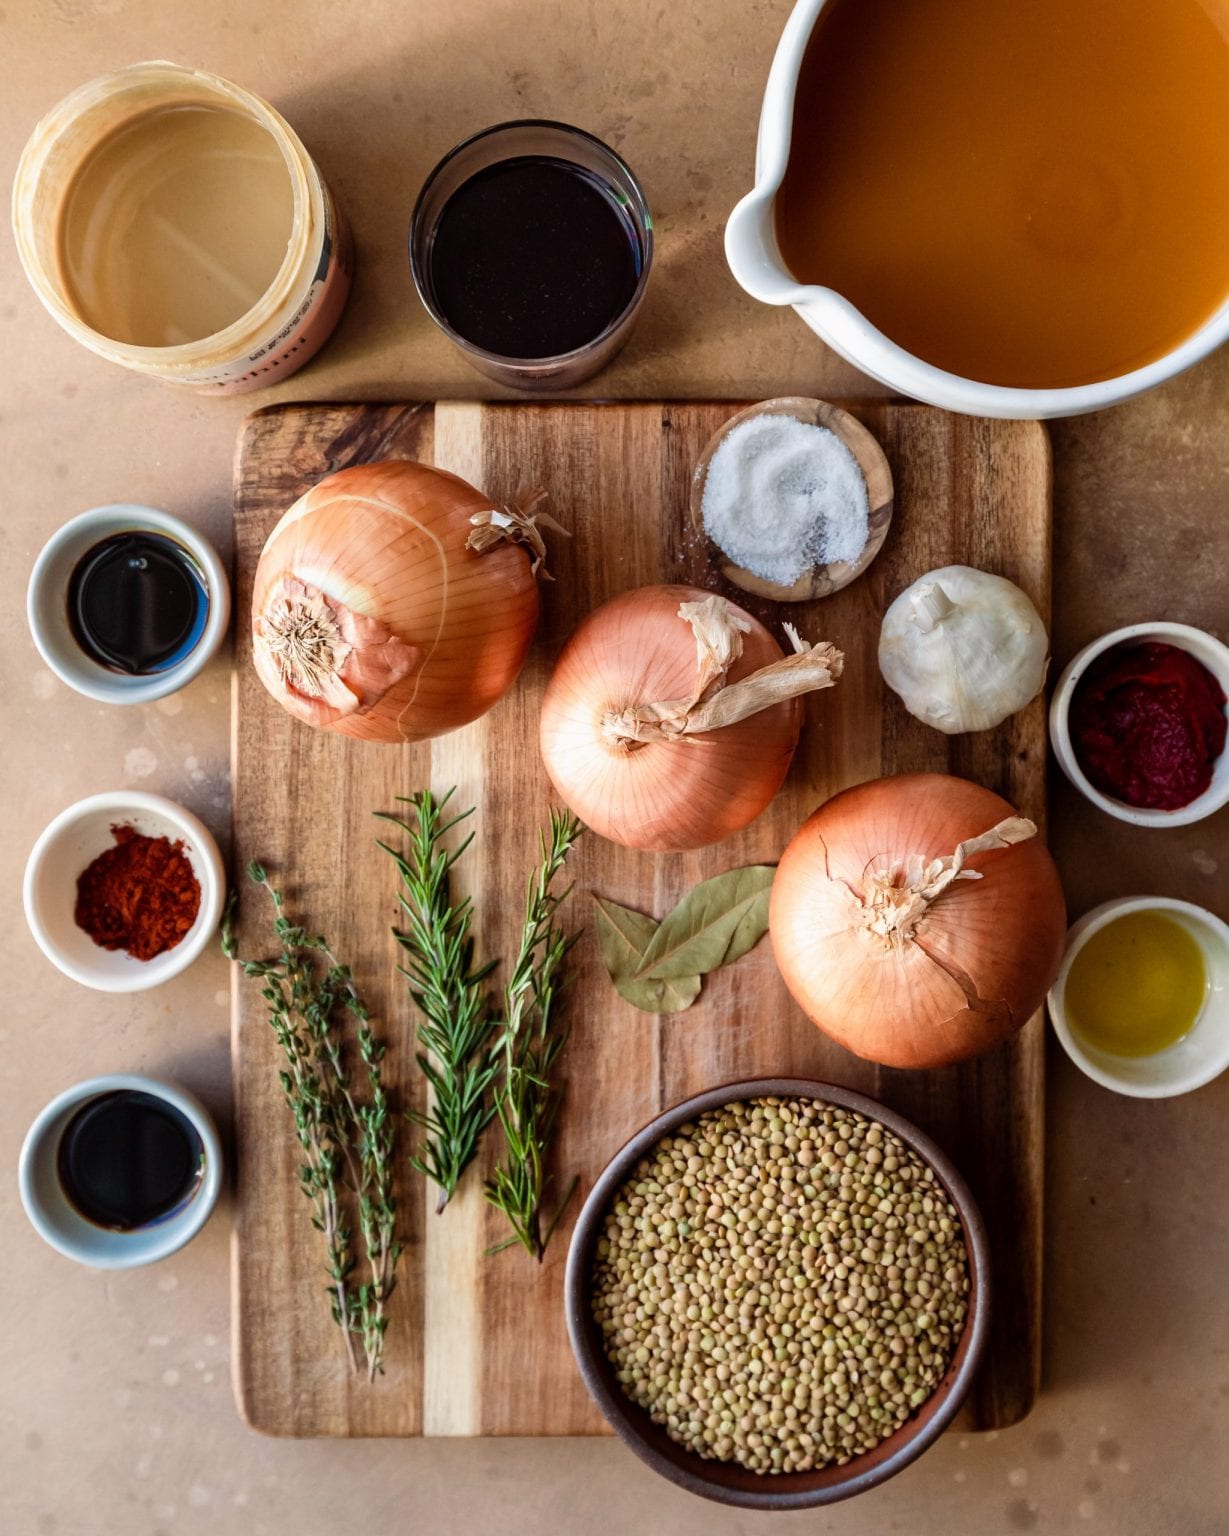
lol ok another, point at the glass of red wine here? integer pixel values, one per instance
(530, 246)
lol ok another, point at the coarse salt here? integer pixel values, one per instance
(782, 496)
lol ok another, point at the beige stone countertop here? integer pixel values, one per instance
(115, 1400)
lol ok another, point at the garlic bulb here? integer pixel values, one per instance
(963, 649)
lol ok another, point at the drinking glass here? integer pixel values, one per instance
(533, 137)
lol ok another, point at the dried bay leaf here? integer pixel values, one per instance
(623, 936)
(721, 919)
(669, 995)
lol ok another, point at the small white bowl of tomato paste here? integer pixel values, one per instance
(1138, 723)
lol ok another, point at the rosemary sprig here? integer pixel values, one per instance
(457, 1059)
(348, 1147)
(529, 1044)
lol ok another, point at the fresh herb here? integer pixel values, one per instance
(457, 1059)
(480, 1065)
(658, 967)
(623, 936)
(529, 1044)
(348, 1146)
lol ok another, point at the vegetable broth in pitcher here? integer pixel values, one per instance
(1030, 193)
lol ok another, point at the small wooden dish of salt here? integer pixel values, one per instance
(795, 495)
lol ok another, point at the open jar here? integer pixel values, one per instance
(174, 223)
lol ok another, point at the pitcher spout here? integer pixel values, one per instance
(752, 254)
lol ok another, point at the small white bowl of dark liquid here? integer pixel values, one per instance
(127, 603)
(120, 1171)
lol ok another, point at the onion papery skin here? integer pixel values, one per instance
(1005, 933)
(663, 797)
(388, 540)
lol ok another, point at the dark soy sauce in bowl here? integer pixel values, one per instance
(533, 257)
(137, 603)
(129, 1159)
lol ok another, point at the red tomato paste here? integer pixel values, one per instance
(1148, 723)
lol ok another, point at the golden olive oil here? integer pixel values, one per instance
(1136, 986)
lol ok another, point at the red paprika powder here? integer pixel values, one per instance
(1148, 723)
(141, 896)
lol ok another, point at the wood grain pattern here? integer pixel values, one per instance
(477, 1344)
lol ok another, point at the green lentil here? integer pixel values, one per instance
(778, 1321)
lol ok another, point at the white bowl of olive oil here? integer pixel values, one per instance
(1141, 1003)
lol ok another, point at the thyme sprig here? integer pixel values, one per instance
(456, 1033)
(529, 1044)
(348, 1146)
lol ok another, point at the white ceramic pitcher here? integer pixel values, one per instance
(755, 260)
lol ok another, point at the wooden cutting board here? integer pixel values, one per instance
(477, 1344)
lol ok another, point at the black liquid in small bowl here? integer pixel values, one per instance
(128, 1160)
(137, 603)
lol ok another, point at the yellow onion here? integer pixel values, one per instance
(672, 716)
(390, 603)
(917, 919)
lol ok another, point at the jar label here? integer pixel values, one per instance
(306, 331)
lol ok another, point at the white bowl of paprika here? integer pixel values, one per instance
(124, 890)
(1138, 724)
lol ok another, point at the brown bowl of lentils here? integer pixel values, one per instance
(777, 1293)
